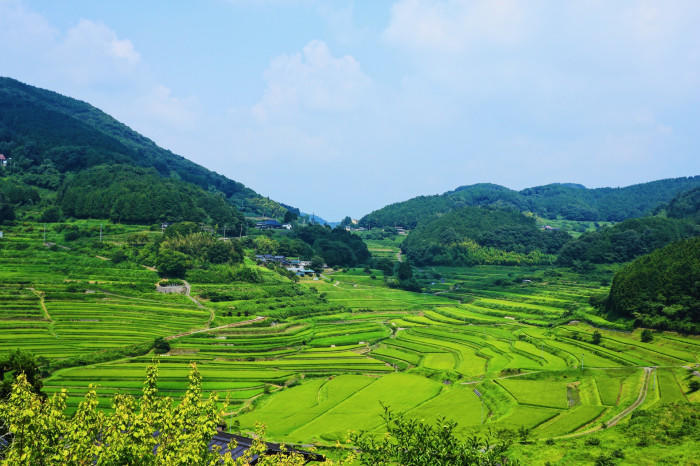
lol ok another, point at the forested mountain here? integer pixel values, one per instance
(626, 240)
(685, 205)
(661, 289)
(48, 135)
(569, 201)
(128, 194)
(482, 235)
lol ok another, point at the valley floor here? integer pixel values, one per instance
(319, 358)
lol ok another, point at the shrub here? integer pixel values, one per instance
(647, 336)
(161, 345)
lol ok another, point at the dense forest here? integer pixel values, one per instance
(47, 135)
(480, 235)
(568, 201)
(128, 194)
(626, 240)
(662, 289)
(685, 205)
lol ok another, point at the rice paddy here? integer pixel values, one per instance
(319, 358)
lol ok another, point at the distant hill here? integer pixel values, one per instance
(47, 133)
(566, 200)
(685, 205)
(482, 235)
(661, 289)
(626, 240)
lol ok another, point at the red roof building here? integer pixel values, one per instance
(2, 158)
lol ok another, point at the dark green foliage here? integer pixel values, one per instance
(442, 240)
(662, 289)
(317, 263)
(181, 229)
(685, 205)
(570, 201)
(385, 265)
(338, 247)
(403, 271)
(19, 362)
(694, 385)
(172, 263)
(17, 194)
(647, 336)
(7, 212)
(410, 442)
(130, 194)
(666, 424)
(51, 214)
(626, 240)
(290, 216)
(596, 338)
(48, 135)
(161, 345)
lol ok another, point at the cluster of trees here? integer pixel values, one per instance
(474, 235)
(14, 194)
(662, 289)
(336, 247)
(49, 135)
(570, 201)
(129, 194)
(626, 240)
(185, 247)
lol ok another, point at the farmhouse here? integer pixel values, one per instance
(3, 159)
(301, 271)
(270, 224)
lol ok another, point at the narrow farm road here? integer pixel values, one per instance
(188, 288)
(42, 304)
(234, 324)
(626, 412)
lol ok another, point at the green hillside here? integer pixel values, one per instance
(473, 235)
(661, 289)
(626, 240)
(685, 205)
(48, 136)
(566, 200)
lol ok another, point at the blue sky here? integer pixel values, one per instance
(342, 107)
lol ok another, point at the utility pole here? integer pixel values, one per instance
(240, 235)
(100, 232)
(581, 361)
(44, 232)
(224, 231)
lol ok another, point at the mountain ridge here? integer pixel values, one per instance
(39, 125)
(570, 201)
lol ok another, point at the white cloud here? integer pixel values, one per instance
(180, 113)
(455, 25)
(312, 79)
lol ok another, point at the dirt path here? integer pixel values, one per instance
(234, 324)
(398, 256)
(626, 412)
(188, 288)
(152, 269)
(42, 304)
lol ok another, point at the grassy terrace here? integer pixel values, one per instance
(330, 350)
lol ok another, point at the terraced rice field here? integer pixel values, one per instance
(324, 355)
